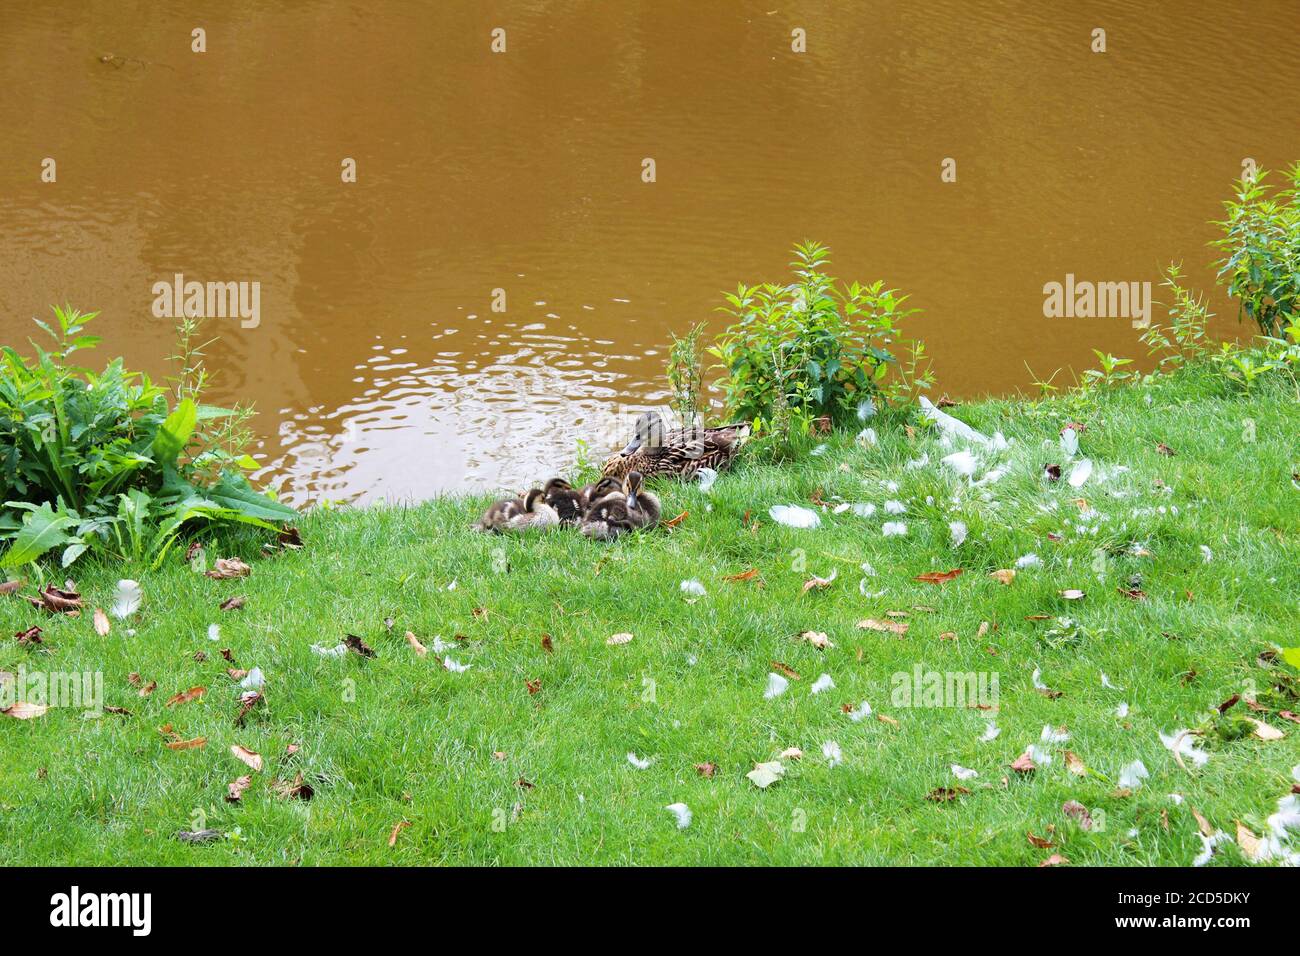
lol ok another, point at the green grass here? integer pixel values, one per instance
(400, 738)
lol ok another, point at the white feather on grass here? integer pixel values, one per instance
(126, 599)
(682, 812)
(776, 686)
(794, 516)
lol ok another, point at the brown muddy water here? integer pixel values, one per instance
(378, 367)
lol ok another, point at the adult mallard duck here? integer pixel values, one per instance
(627, 510)
(530, 513)
(679, 453)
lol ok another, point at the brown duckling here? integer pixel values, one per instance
(617, 514)
(569, 502)
(531, 513)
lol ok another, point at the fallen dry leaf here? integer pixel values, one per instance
(939, 577)
(24, 710)
(397, 828)
(1003, 575)
(1072, 594)
(247, 701)
(253, 760)
(57, 600)
(1078, 812)
(947, 635)
(1249, 843)
(1265, 731)
(1024, 764)
(296, 788)
(616, 639)
(235, 790)
(233, 603)
(185, 696)
(889, 627)
(743, 575)
(1202, 824)
(706, 769)
(674, 522)
(785, 669)
(817, 639)
(886, 719)
(820, 584)
(1054, 860)
(416, 646)
(289, 538)
(944, 794)
(534, 686)
(547, 644)
(30, 636)
(358, 646)
(148, 688)
(1039, 842)
(1075, 764)
(10, 587)
(102, 627)
(1164, 449)
(194, 744)
(229, 568)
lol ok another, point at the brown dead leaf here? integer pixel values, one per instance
(148, 688)
(357, 645)
(119, 711)
(547, 644)
(674, 522)
(1024, 764)
(247, 701)
(185, 696)
(888, 627)
(1075, 764)
(397, 828)
(195, 744)
(1249, 843)
(1202, 824)
(1164, 449)
(420, 649)
(1039, 842)
(534, 686)
(614, 640)
(743, 575)
(706, 769)
(785, 669)
(939, 577)
(886, 719)
(233, 603)
(10, 587)
(1003, 575)
(30, 636)
(24, 710)
(224, 568)
(1230, 702)
(235, 790)
(289, 538)
(1265, 731)
(1072, 594)
(1077, 812)
(817, 639)
(253, 760)
(983, 629)
(57, 600)
(820, 584)
(1134, 594)
(102, 627)
(1288, 715)
(947, 635)
(944, 794)
(295, 788)
(1054, 860)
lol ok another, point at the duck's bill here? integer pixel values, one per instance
(631, 500)
(631, 446)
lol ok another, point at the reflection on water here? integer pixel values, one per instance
(379, 367)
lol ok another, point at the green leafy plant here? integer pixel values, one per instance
(1261, 242)
(100, 460)
(686, 375)
(813, 344)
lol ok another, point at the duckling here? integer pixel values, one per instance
(519, 514)
(599, 489)
(498, 515)
(569, 503)
(617, 514)
(537, 514)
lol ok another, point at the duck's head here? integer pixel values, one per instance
(556, 484)
(632, 488)
(534, 497)
(648, 431)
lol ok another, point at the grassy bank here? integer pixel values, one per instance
(522, 758)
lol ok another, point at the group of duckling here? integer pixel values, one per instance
(603, 509)
(618, 502)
